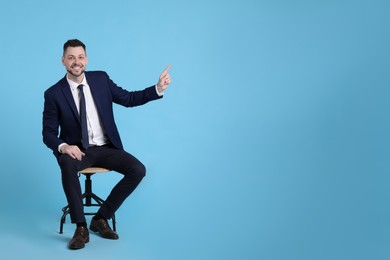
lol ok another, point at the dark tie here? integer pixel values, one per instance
(83, 119)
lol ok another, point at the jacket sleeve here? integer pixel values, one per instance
(131, 98)
(50, 124)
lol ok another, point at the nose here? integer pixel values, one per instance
(76, 62)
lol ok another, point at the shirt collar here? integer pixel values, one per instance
(73, 85)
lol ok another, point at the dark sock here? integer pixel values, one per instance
(82, 224)
(99, 216)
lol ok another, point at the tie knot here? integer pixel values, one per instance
(80, 87)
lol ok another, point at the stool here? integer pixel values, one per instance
(88, 195)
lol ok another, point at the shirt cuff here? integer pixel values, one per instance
(59, 147)
(159, 93)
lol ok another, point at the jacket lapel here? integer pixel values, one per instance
(92, 82)
(69, 97)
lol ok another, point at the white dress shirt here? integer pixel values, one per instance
(96, 133)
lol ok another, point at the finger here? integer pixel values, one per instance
(167, 80)
(165, 71)
(73, 156)
(79, 152)
(79, 156)
(76, 153)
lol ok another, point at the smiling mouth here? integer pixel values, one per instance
(76, 67)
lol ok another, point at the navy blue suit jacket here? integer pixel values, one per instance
(61, 121)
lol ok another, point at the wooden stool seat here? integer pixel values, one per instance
(88, 195)
(94, 170)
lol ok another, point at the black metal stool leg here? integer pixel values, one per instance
(65, 211)
(113, 223)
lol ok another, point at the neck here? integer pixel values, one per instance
(77, 79)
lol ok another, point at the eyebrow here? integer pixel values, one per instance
(71, 55)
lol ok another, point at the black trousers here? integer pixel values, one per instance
(100, 156)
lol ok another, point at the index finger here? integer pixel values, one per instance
(166, 70)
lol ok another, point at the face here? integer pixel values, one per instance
(75, 61)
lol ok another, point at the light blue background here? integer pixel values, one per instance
(272, 142)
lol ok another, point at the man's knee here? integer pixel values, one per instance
(140, 170)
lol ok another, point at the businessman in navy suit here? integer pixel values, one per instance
(79, 127)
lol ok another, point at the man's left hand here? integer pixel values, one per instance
(164, 80)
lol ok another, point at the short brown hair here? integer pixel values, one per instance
(74, 43)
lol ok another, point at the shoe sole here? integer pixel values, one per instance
(94, 229)
(75, 248)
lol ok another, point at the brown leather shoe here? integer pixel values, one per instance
(101, 226)
(80, 237)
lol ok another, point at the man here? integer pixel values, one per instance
(79, 126)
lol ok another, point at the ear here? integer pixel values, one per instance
(63, 60)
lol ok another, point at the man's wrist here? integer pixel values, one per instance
(159, 91)
(60, 146)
